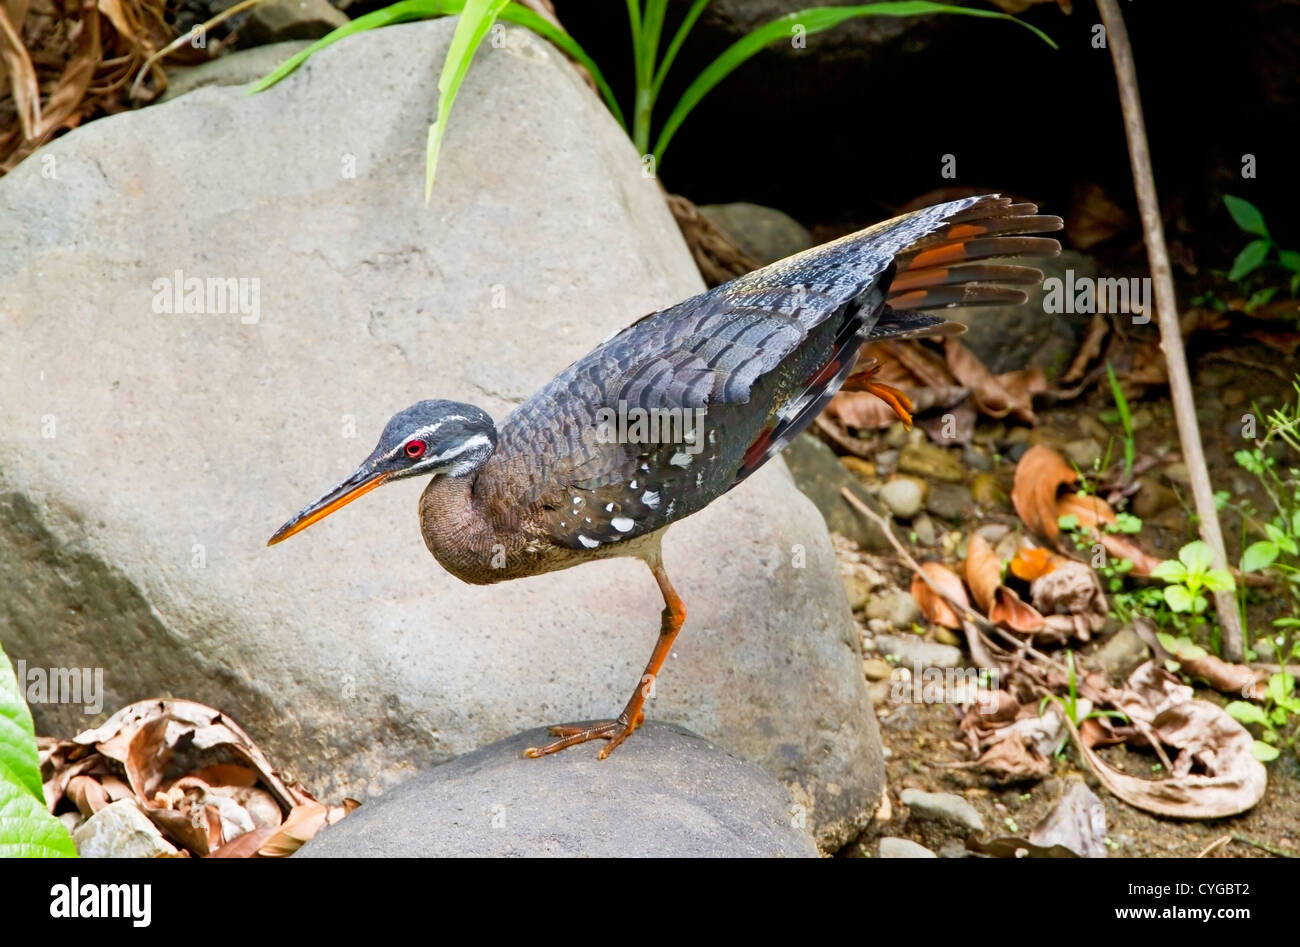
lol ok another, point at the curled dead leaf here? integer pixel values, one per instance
(934, 606)
(1040, 474)
(1002, 605)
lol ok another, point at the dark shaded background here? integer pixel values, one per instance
(855, 124)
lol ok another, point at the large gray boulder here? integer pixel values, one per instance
(669, 794)
(146, 456)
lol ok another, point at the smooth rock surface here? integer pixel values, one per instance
(146, 456)
(237, 68)
(764, 233)
(821, 477)
(667, 794)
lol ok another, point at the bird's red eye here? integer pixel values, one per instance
(415, 448)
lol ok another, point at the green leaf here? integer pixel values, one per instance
(1263, 752)
(1197, 556)
(17, 735)
(1284, 542)
(475, 21)
(1179, 599)
(1069, 522)
(1245, 215)
(1245, 712)
(1219, 580)
(1290, 259)
(1295, 522)
(1249, 259)
(1182, 648)
(1258, 556)
(27, 830)
(1280, 687)
(780, 30)
(1170, 570)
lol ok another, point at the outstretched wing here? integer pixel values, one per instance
(682, 405)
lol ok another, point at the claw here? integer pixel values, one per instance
(898, 402)
(615, 731)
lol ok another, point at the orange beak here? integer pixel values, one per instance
(359, 484)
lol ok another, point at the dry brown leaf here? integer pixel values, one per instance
(1090, 510)
(933, 606)
(1215, 774)
(1225, 677)
(1089, 349)
(22, 76)
(1040, 474)
(1073, 593)
(1002, 605)
(994, 395)
(1093, 216)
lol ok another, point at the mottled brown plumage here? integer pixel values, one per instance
(740, 369)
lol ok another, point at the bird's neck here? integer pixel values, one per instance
(472, 526)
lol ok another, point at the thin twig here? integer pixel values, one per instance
(1271, 849)
(1171, 337)
(181, 40)
(1216, 844)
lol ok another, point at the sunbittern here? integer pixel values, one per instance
(760, 356)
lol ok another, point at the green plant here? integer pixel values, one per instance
(649, 68)
(1277, 554)
(1254, 254)
(27, 830)
(1125, 418)
(1278, 719)
(1188, 577)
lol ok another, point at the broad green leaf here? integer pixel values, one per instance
(17, 735)
(1264, 752)
(1182, 648)
(1245, 712)
(1280, 687)
(1295, 522)
(27, 830)
(1179, 599)
(1289, 259)
(812, 21)
(1069, 522)
(1196, 556)
(1284, 542)
(1246, 215)
(1249, 259)
(1170, 570)
(1219, 580)
(1258, 556)
(475, 21)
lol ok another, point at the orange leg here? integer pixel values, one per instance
(633, 715)
(899, 402)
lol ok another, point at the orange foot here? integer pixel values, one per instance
(897, 401)
(615, 731)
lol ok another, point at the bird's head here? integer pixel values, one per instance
(429, 437)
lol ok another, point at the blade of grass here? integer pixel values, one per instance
(1125, 419)
(475, 21)
(688, 23)
(813, 21)
(408, 10)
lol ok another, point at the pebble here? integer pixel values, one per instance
(891, 847)
(896, 607)
(879, 626)
(903, 497)
(912, 650)
(931, 462)
(986, 491)
(942, 807)
(1085, 452)
(877, 669)
(1152, 497)
(858, 590)
(120, 830)
(862, 469)
(951, 501)
(924, 529)
(976, 459)
(887, 461)
(1123, 652)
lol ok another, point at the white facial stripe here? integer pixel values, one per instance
(477, 440)
(424, 434)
